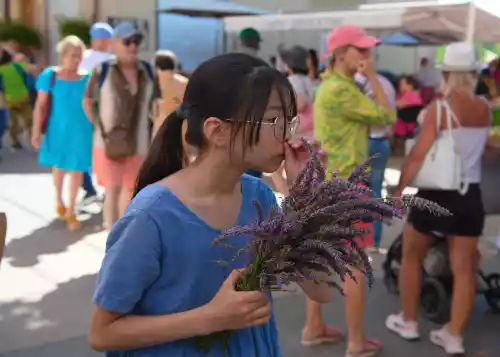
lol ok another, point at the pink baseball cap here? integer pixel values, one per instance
(348, 35)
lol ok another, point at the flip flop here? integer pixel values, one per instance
(371, 348)
(329, 335)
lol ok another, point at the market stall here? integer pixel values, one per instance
(429, 21)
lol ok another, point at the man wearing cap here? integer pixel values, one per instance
(101, 34)
(342, 119)
(122, 88)
(249, 41)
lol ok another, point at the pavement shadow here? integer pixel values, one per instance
(60, 315)
(51, 239)
(22, 162)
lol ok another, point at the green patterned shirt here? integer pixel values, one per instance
(342, 117)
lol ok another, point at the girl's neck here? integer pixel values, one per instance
(205, 177)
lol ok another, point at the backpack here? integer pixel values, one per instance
(120, 142)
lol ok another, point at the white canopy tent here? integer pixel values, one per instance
(447, 20)
(434, 21)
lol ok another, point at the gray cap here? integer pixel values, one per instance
(126, 30)
(295, 57)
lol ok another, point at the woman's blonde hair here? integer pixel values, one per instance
(459, 81)
(68, 43)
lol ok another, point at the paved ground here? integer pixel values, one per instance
(47, 278)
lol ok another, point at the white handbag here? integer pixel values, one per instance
(443, 165)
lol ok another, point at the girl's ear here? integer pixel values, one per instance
(217, 132)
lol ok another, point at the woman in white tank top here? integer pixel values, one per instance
(469, 127)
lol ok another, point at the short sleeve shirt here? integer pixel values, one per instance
(159, 260)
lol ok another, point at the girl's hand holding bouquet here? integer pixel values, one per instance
(235, 310)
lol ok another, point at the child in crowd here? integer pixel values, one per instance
(159, 287)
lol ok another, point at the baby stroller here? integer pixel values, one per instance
(435, 299)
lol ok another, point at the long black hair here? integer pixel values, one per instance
(233, 86)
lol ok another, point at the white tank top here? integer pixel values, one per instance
(471, 142)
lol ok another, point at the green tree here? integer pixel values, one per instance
(75, 26)
(21, 33)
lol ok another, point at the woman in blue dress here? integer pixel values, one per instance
(159, 287)
(66, 146)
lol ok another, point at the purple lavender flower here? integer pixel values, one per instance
(315, 230)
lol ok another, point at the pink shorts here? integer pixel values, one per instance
(116, 173)
(403, 129)
(367, 239)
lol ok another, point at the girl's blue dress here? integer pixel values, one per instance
(67, 144)
(159, 261)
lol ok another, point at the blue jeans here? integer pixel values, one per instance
(87, 185)
(4, 123)
(381, 149)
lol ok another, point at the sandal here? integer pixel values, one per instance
(371, 348)
(73, 223)
(61, 212)
(328, 335)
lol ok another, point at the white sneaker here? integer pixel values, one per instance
(405, 329)
(453, 345)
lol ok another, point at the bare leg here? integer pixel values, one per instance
(125, 197)
(464, 260)
(314, 320)
(58, 177)
(354, 302)
(76, 179)
(75, 182)
(111, 207)
(415, 245)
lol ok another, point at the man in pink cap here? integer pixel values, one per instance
(342, 118)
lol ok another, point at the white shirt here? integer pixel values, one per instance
(429, 76)
(390, 92)
(92, 58)
(302, 84)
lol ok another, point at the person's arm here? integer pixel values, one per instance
(132, 264)
(280, 182)
(41, 105)
(424, 142)
(349, 102)
(130, 267)
(90, 96)
(493, 92)
(111, 331)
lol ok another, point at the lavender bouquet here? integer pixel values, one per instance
(314, 232)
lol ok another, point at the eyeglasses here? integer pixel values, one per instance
(284, 126)
(136, 40)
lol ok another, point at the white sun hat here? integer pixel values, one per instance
(460, 57)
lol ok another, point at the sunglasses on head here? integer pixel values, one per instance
(136, 40)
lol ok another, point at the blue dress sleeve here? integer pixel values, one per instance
(43, 80)
(131, 264)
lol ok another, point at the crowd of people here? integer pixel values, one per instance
(171, 153)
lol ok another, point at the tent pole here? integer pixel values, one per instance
(471, 23)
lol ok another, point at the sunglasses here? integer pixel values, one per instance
(284, 127)
(133, 40)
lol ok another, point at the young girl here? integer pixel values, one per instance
(408, 96)
(160, 286)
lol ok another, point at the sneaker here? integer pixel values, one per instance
(89, 198)
(453, 345)
(405, 329)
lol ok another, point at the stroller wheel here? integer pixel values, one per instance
(492, 294)
(435, 301)
(391, 282)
